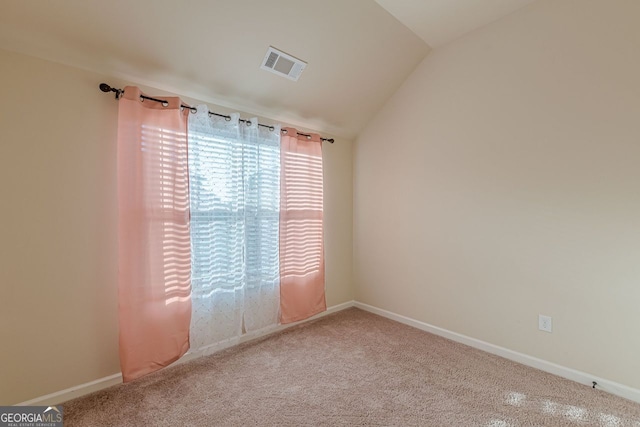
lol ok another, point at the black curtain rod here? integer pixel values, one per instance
(106, 88)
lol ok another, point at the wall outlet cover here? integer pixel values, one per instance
(544, 323)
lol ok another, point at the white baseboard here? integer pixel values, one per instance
(561, 371)
(258, 334)
(73, 392)
(102, 383)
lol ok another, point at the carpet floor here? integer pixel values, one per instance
(351, 368)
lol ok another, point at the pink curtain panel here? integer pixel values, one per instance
(154, 242)
(301, 227)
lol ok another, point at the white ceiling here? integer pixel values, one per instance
(358, 53)
(440, 21)
(211, 50)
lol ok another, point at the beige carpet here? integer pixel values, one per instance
(351, 368)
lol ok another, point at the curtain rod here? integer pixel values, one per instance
(106, 88)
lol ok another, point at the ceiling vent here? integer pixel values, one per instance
(282, 64)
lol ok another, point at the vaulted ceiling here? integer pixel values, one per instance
(358, 53)
(438, 22)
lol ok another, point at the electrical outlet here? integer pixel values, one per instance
(544, 323)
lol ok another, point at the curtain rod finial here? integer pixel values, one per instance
(106, 88)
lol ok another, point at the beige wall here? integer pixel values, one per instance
(58, 259)
(502, 180)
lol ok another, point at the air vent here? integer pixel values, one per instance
(282, 64)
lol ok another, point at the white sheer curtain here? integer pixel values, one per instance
(234, 171)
